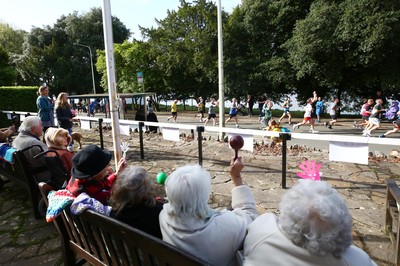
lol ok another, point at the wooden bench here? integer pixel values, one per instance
(392, 217)
(20, 174)
(100, 240)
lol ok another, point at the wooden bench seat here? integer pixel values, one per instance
(392, 223)
(100, 240)
(20, 174)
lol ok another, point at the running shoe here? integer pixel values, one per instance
(382, 136)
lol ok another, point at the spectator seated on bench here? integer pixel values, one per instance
(134, 201)
(101, 240)
(55, 165)
(58, 139)
(188, 222)
(29, 135)
(91, 173)
(313, 228)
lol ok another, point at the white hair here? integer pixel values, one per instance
(188, 190)
(314, 216)
(29, 122)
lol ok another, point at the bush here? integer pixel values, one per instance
(17, 98)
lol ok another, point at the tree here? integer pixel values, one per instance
(348, 46)
(7, 73)
(131, 58)
(258, 63)
(50, 55)
(184, 48)
(10, 48)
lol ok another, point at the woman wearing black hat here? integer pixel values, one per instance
(91, 173)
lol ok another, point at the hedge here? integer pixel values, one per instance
(17, 98)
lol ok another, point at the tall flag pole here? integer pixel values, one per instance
(111, 79)
(220, 73)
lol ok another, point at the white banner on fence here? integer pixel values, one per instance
(133, 127)
(124, 130)
(248, 141)
(9, 117)
(85, 124)
(170, 133)
(348, 152)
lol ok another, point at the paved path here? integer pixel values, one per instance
(25, 241)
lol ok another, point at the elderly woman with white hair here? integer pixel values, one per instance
(313, 228)
(188, 222)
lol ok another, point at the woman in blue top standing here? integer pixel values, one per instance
(46, 108)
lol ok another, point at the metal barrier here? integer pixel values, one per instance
(249, 132)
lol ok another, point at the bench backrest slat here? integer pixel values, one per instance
(101, 240)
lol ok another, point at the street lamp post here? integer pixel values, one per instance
(91, 64)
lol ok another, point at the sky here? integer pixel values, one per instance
(25, 14)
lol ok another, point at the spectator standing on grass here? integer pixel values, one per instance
(333, 112)
(189, 223)
(314, 227)
(45, 108)
(64, 115)
(174, 110)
